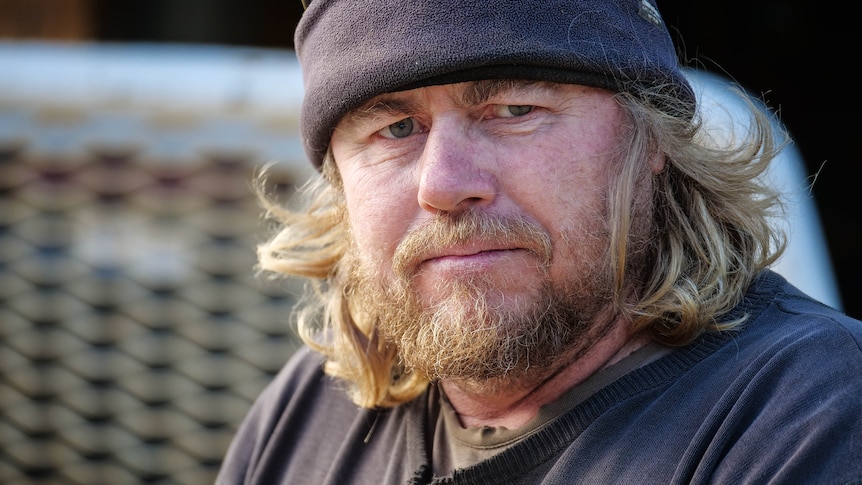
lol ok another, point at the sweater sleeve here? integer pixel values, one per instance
(798, 420)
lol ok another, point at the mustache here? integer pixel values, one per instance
(447, 230)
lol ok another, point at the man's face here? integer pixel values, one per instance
(478, 217)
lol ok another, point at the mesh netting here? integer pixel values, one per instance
(134, 334)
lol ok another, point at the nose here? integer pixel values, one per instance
(456, 170)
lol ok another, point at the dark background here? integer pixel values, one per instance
(796, 55)
(799, 57)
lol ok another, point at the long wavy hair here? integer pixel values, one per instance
(714, 232)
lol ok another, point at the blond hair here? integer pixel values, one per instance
(712, 237)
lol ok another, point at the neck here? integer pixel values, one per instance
(512, 403)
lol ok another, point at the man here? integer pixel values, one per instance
(529, 265)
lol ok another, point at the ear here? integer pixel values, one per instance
(657, 163)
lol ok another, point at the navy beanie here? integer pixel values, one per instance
(353, 50)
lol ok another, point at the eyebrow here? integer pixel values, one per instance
(477, 92)
(393, 107)
(481, 91)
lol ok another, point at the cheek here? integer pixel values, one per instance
(378, 219)
(565, 196)
(572, 205)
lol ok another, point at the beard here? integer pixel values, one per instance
(475, 331)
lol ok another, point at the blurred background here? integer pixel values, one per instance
(133, 332)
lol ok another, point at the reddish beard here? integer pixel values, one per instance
(464, 334)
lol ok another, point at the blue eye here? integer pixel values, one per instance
(519, 110)
(399, 129)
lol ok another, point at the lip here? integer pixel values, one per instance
(466, 251)
(468, 257)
